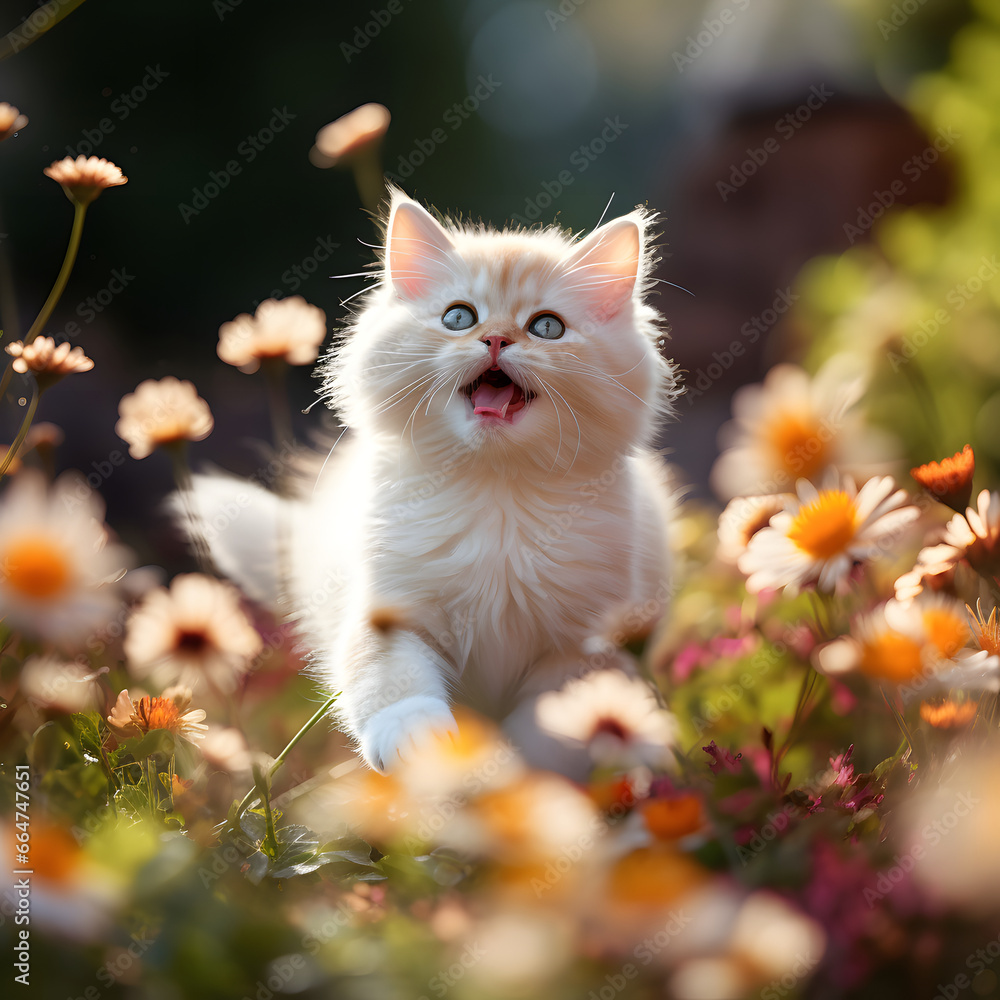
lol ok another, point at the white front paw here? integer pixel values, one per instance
(396, 732)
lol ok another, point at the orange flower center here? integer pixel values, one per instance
(892, 656)
(36, 567)
(157, 713)
(946, 631)
(799, 446)
(948, 714)
(825, 527)
(670, 818)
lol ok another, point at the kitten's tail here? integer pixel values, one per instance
(244, 528)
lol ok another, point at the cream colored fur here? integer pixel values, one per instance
(445, 555)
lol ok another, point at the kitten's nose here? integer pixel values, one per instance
(496, 344)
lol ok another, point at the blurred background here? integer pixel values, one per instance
(759, 129)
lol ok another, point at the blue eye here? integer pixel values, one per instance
(459, 317)
(547, 326)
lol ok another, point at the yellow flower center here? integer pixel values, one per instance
(946, 631)
(36, 567)
(892, 656)
(825, 527)
(798, 444)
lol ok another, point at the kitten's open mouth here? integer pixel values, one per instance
(496, 394)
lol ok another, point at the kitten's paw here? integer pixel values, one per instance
(396, 732)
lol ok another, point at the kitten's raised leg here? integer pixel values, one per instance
(394, 695)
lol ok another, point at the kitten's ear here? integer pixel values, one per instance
(604, 267)
(417, 250)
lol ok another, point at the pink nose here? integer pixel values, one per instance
(496, 344)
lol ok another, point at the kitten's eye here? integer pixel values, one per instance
(459, 317)
(548, 327)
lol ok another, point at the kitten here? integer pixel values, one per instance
(494, 503)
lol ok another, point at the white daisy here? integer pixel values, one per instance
(743, 518)
(793, 426)
(824, 532)
(195, 629)
(615, 716)
(57, 570)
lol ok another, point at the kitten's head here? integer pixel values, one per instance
(527, 349)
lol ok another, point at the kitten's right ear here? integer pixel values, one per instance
(417, 250)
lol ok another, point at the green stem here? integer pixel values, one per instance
(80, 212)
(280, 759)
(22, 433)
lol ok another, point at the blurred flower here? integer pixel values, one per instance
(83, 179)
(948, 714)
(287, 329)
(795, 427)
(56, 567)
(11, 120)
(51, 683)
(474, 758)
(934, 569)
(949, 480)
(670, 817)
(821, 535)
(743, 518)
(48, 362)
(129, 720)
(912, 643)
(356, 132)
(161, 413)
(195, 629)
(653, 876)
(227, 749)
(615, 716)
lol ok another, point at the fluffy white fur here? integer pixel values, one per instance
(444, 554)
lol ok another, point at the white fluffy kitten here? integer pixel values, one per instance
(493, 504)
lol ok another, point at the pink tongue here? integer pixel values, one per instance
(492, 401)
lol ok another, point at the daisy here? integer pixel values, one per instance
(48, 362)
(168, 712)
(824, 532)
(289, 330)
(11, 120)
(743, 518)
(795, 427)
(57, 570)
(616, 717)
(51, 683)
(84, 178)
(949, 480)
(973, 538)
(160, 413)
(351, 134)
(196, 628)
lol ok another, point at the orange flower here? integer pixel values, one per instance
(673, 817)
(949, 480)
(987, 630)
(130, 720)
(653, 876)
(948, 714)
(83, 179)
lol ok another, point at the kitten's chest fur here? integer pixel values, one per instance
(509, 571)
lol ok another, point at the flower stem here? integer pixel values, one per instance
(22, 433)
(275, 376)
(79, 213)
(280, 759)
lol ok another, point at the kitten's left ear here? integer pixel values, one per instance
(417, 250)
(605, 266)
